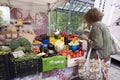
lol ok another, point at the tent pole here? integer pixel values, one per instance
(49, 23)
(69, 14)
(56, 20)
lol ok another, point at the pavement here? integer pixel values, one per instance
(114, 72)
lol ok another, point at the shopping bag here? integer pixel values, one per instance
(93, 69)
(115, 46)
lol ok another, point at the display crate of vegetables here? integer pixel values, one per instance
(4, 63)
(25, 65)
(74, 53)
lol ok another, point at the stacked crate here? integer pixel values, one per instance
(4, 67)
(25, 68)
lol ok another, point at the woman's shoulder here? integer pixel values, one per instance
(99, 25)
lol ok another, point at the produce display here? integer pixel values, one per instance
(25, 57)
(35, 49)
(4, 50)
(48, 51)
(71, 54)
(69, 36)
(43, 48)
(58, 47)
(41, 37)
(74, 44)
(20, 43)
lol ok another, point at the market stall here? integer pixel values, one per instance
(27, 52)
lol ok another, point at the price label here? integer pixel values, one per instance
(17, 54)
(19, 22)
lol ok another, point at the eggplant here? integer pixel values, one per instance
(44, 36)
(38, 38)
(41, 48)
(45, 49)
(51, 46)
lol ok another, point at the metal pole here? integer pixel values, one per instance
(49, 31)
(69, 14)
(56, 20)
(76, 20)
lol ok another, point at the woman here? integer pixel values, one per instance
(99, 37)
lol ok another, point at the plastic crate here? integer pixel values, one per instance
(4, 58)
(5, 67)
(55, 62)
(24, 68)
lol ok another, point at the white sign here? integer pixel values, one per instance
(4, 14)
(17, 54)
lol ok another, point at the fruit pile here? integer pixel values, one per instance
(43, 51)
(71, 54)
(35, 49)
(69, 36)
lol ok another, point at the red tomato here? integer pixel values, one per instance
(82, 53)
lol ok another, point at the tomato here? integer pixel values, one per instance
(82, 53)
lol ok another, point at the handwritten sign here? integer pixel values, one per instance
(17, 54)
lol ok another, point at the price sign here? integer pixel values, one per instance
(17, 54)
(19, 22)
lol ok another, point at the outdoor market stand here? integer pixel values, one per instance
(26, 59)
(29, 65)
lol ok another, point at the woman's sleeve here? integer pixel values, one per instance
(97, 38)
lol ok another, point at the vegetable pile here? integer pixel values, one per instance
(25, 57)
(20, 44)
(4, 50)
(71, 54)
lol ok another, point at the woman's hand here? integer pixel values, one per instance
(84, 37)
(87, 39)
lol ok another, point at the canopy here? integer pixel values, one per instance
(78, 6)
(34, 5)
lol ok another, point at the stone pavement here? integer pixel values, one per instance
(114, 73)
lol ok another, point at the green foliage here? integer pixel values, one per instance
(20, 42)
(23, 41)
(14, 44)
(62, 21)
(4, 50)
(25, 57)
(20, 48)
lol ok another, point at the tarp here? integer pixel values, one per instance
(34, 5)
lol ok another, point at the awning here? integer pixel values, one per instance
(34, 5)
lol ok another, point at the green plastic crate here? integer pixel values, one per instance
(55, 62)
